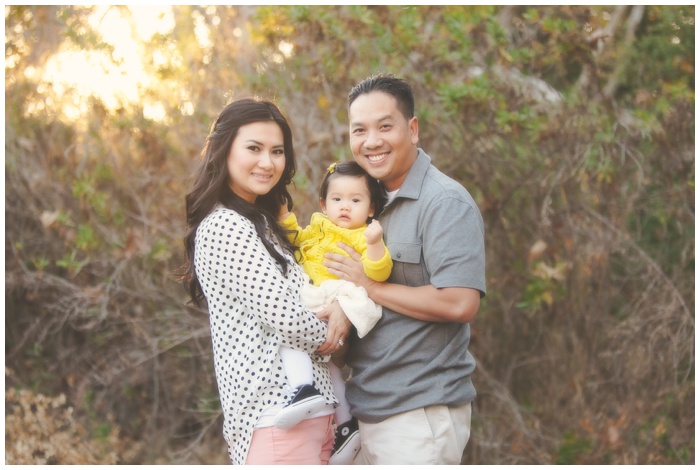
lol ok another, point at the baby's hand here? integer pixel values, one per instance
(374, 232)
(283, 212)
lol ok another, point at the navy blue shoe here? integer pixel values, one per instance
(347, 443)
(307, 400)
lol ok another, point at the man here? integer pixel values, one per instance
(411, 387)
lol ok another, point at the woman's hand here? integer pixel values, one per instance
(338, 328)
(283, 212)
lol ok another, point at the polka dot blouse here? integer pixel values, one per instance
(253, 310)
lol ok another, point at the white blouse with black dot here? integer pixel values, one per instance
(253, 310)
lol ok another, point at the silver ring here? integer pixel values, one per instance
(340, 342)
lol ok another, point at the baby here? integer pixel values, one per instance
(349, 198)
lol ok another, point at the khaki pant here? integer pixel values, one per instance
(436, 435)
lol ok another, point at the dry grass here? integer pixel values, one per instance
(42, 430)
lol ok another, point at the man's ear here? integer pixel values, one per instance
(413, 127)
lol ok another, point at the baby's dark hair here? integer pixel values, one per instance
(376, 190)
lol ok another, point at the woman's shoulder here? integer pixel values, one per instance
(220, 212)
(222, 217)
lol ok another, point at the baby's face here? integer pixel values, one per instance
(348, 203)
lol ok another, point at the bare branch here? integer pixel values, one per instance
(635, 17)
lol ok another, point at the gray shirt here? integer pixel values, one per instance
(435, 234)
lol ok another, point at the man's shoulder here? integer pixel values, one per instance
(438, 184)
(435, 180)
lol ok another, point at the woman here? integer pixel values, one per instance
(238, 259)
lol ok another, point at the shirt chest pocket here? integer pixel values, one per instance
(408, 266)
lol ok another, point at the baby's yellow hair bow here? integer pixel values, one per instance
(331, 168)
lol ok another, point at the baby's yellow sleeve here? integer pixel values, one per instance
(290, 223)
(379, 270)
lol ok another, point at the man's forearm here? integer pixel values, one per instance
(427, 303)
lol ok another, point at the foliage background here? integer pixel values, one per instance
(572, 126)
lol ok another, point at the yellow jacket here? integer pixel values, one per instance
(322, 236)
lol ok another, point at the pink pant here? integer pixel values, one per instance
(308, 443)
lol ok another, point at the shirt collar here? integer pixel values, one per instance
(411, 186)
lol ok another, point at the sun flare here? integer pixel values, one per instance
(117, 81)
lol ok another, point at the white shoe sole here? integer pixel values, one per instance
(348, 452)
(293, 414)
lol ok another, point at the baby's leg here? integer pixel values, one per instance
(305, 399)
(297, 365)
(347, 433)
(342, 410)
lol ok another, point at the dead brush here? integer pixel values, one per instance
(42, 430)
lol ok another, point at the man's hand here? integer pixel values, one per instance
(348, 269)
(426, 303)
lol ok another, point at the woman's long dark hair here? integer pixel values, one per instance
(210, 185)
